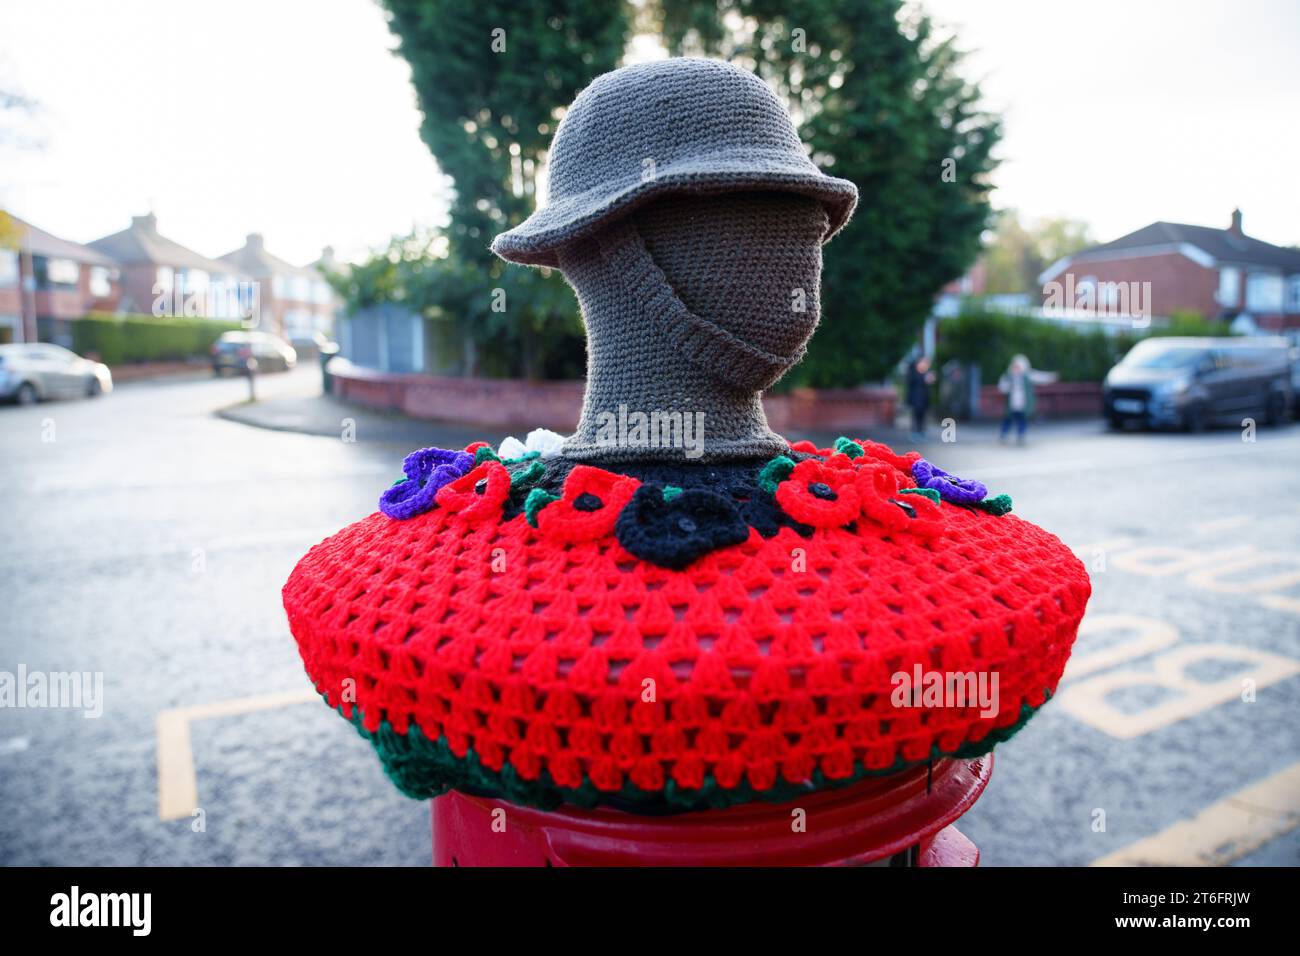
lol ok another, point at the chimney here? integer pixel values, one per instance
(1235, 228)
(327, 260)
(146, 223)
(253, 241)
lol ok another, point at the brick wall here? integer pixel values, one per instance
(1058, 400)
(557, 405)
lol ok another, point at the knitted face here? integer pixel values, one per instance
(694, 305)
(749, 263)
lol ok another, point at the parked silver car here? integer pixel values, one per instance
(36, 371)
(231, 352)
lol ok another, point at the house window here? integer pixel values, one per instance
(1108, 296)
(1229, 287)
(321, 292)
(55, 272)
(8, 269)
(1293, 294)
(1085, 295)
(297, 321)
(1264, 292)
(101, 282)
(194, 281)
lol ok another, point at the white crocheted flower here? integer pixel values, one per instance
(541, 440)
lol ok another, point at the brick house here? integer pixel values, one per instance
(159, 276)
(295, 300)
(1217, 273)
(46, 280)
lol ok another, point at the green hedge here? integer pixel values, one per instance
(117, 339)
(1077, 355)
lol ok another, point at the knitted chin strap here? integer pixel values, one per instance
(720, 353)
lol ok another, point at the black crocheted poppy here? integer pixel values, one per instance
(759, 510)
(674, 531)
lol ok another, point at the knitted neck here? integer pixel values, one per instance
(692, 308)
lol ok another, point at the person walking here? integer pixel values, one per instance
(1017, 384)
(919, 380)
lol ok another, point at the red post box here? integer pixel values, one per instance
(904, 819)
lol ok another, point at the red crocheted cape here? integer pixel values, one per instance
(656, 647)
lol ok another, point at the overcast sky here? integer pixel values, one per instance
(293, 118)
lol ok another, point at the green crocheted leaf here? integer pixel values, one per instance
(924, 492)
(996, 506)
(537, 499)
(526, 456)
(671, 492)
(774, 472)
(485, 454)
(526, 477)
(847, 446)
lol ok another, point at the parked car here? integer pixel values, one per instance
(233, 349)
(35, 371)
(1295, 381)
(309, 343)
(1193, 382)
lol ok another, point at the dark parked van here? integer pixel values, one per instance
(1190, 383)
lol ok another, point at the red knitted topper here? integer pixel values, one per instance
(545, 632)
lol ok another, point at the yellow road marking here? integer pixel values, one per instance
(1217, 525)
(1149, 635)
(1084, 551)
(1224, 831)
(178, 790)
(1087, 701)
(1161, 561)
(1280, 602)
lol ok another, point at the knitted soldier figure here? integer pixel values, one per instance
(676, 609)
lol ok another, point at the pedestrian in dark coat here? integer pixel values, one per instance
(919, 380)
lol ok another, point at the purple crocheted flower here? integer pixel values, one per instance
(959, 491)
(426, 471)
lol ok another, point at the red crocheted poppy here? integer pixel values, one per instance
(819, 494)
(875, 450)
(880, 493)
(808, 448)
(589, 506)
(478, 494)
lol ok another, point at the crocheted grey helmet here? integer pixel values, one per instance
(684, 125)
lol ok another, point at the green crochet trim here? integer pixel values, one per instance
(484, 454)
(537, 499)
(996, 506)
(671, 492)
(923, 492)
(847, 446)
(422, 769)
(774, 472)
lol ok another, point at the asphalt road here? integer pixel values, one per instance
(147, 539)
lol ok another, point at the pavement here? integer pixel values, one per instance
(147, 535)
